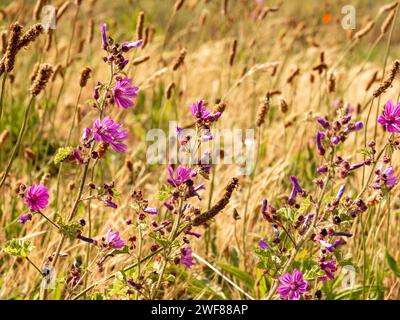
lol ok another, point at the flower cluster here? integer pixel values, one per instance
(115, 51)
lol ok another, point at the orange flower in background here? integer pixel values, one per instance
(327, 17)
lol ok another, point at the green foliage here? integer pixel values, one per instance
(238, 274)
(164, 193)
(392, 264)
(18, 247)
(70, 230)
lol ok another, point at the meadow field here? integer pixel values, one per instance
(199, 149)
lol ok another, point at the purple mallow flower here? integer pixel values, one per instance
(109, 131)
(183, 174)
(24, 218)
(150, 210)
(103, 30)
(320, 147)
(356, 166)
(329, 267)
(322, 169)
(126, 46)
(295, 190)
(293, 285)
(323, 122)
(86, 134)
(386, 175)
(113, 240)
(200, 111)
(110, 204)
(263, 245)
(335, 140)
(264, 209)
(186, 257)
(327, 245)
(124, 92)
(339, 194)
(37, 197)
(390, 118)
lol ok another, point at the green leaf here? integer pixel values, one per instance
(62, 154)
(160, 239)
(18, 247)
(164, 193)
(70, 230)
(314, 273)
(238, 274)
(304, 205)
(392, 264)
(124, 250)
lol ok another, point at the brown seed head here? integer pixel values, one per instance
(179, 61)
(388, 22)
(140, 60)
(219, 206)
(364, 31)
(232, 52)
(178, 5)
(89, 37)
(30, 36)
(170, 88)
(12, 46)
(388, 80)
(43, 76)
(85, 75)
(263, 110)
(139, 25)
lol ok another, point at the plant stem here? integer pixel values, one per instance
(34, 265)
(3, 83)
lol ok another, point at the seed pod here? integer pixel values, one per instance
(364, 31)
(170, 88)
(331, 82)
(387, 23)
(283, 106)
(139, 26)
(263, 110)
(146, 37)
(180, 60)
(84, 77)
(140, 60)
(4, 136)
(89, 37)
(178, 5)
(388, 7)
(232, 52)
(225, 7)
